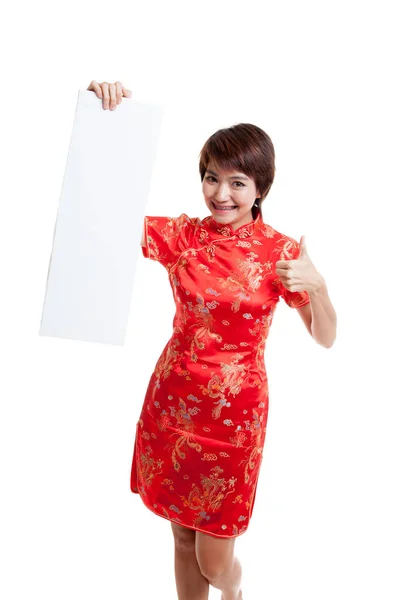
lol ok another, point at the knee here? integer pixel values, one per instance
(212, 570)
(184, 538)
(215, 557)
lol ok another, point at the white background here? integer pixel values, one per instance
(321, 79)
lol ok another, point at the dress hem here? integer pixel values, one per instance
(184, 524)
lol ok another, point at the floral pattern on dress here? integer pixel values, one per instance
(201, 431)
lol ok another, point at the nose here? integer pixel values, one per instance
(222, 193)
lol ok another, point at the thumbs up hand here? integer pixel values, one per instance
(298, 275)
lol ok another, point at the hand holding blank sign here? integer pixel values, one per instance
(100, 218)
(111, 93)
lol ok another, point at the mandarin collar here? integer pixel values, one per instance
(227, 230)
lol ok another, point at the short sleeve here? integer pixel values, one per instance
(289, 249)
(165, 238)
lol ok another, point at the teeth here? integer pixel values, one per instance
(223, 207)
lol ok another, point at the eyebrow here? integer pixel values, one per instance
(231, 177)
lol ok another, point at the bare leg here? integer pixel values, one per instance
(229, 582)
(219, 565)
(190, 583)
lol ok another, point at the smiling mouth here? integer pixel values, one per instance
(223, 208)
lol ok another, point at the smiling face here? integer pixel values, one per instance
(223, 189)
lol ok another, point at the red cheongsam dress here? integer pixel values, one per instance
(200, 435)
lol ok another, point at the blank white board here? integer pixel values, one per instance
(100, 220)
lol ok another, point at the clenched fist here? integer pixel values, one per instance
(299, 274)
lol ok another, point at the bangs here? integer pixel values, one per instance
(225, 154)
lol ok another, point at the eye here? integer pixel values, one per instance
(209, 177)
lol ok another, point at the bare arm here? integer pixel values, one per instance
(305, 313)
(319, 316)
(323, 319)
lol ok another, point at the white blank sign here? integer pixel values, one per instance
(100, 220)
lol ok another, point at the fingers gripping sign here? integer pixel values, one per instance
(111, 93)
(298, 275)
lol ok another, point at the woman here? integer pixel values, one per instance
(201, 431)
